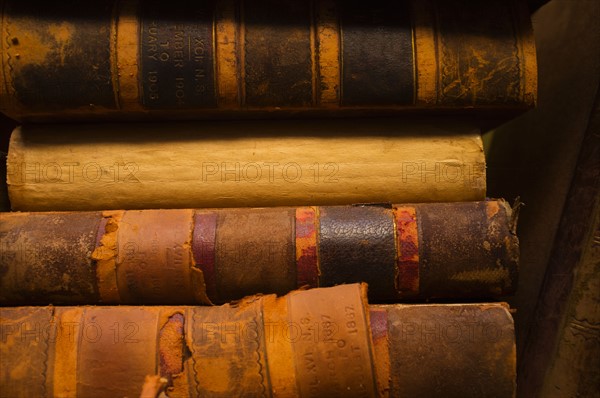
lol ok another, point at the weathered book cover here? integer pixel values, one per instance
(318, 342)
(134, 59)
(242, 164)
(411, 251)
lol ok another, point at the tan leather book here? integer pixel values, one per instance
(317, 342)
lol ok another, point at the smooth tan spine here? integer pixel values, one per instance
(279, 351)
(270, 164)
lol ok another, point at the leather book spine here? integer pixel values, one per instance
(316, 342)
(179, 256)
(134, 59)
(242, 164)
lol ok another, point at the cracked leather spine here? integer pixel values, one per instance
(134, 59)
(410, 252)
(317, 342)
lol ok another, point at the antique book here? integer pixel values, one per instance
(314, 343)
(133, 59)
(242, 164)
(183, 256)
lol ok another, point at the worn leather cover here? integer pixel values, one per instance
(24, 351)
(317, 342)
(447, 259)
(377, 53)
(154, 261)
(47, 258)
(451, 350)
(186, 59)
(254, 252)
(278, 54)
(410, 252)
(58, 60)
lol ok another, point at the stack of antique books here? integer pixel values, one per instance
(258, 198)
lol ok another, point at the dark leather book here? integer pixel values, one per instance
(134, 59)
(409, 251)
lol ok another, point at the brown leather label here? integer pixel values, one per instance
(332, 344)
(255, 252)
(117, 349)
(155, 262)
(229, 351)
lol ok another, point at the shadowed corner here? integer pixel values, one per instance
(6, 127)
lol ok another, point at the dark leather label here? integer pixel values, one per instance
(278, 66)
(357, 244)
(377, 53)
(176, 54)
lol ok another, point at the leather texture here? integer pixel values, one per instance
(377, 53)
(357, 243)
(46, 258)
